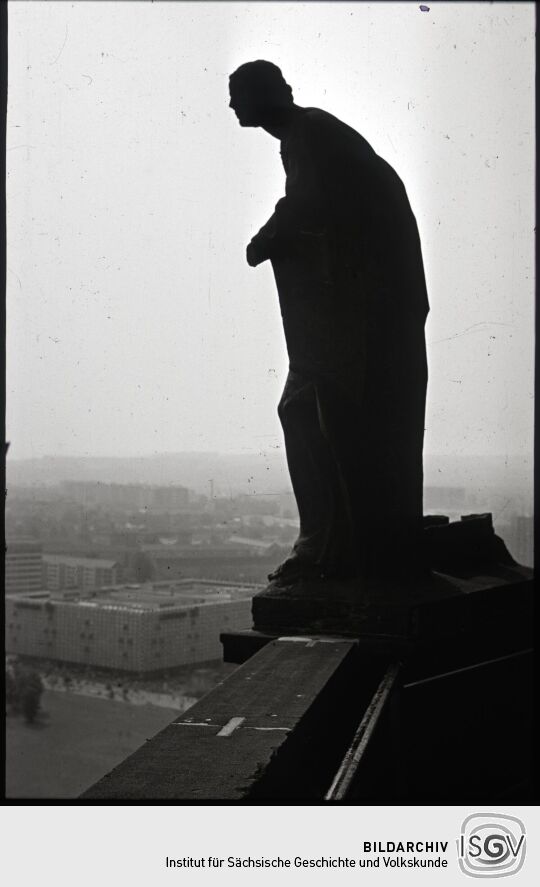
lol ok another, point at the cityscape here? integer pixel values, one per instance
(121, 575)
(119, 583)
(81, 553)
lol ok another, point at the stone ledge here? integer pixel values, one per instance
(277, 727)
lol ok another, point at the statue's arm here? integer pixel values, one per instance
(299, 213)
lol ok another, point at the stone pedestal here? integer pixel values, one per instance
(386, 610)
(461, 557)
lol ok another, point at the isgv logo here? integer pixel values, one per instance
(491, 845)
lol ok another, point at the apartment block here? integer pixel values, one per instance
(65, 571)
(24, 564)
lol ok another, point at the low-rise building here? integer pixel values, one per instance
(143, 628)
(23, 566)
(65, 571)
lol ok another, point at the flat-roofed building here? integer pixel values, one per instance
(24, 565)
(65, 571)
(143, 628)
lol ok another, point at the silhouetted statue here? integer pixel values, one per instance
(345, 250)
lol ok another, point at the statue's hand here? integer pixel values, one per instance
(252, 257)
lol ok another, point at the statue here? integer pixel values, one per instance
(345, 251)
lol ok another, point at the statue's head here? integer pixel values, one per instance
(257, 90)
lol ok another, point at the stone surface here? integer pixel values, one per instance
(279, 726)
(464, 545)
(407, 611)
(238, 646)
(462, 556)
(274, 728)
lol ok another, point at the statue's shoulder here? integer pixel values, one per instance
(316, 115)
(316, 118)
(323, 124)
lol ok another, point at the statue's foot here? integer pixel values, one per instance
(341, 572)
(295, 569)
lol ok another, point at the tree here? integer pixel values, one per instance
(31, 704)
(23, 691)
(11, 690)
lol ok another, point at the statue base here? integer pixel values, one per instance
(385, 609)
(462, 557)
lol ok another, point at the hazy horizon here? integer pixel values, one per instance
(518, 455)
(258, 473)
(135, 325)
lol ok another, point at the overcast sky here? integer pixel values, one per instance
(134, 324)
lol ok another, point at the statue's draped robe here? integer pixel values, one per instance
(346, 255)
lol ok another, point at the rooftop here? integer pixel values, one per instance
(73, 561)
(148, 597)
(21, 544)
